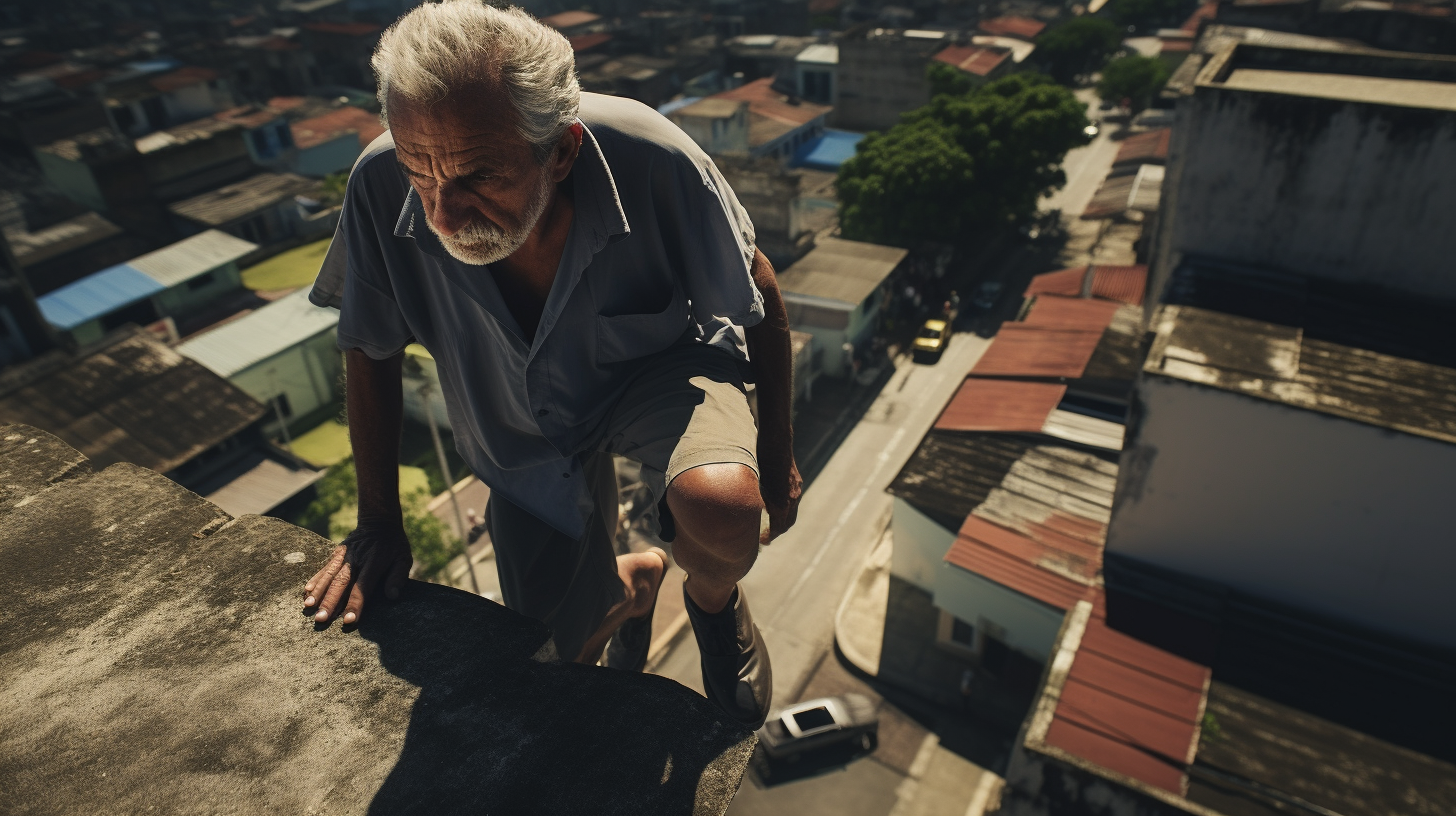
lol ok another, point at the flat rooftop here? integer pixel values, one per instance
(1410, 93)
(1331, 71)
(1352, 351)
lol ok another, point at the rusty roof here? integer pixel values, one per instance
(586, 42)
(1012, 25)
(1000, 405)
(1130, 707)
(1207, 11)
(1145, 148)
(763, 100)
(313, 132)
(570, 19)
(1058, 312)
(181, 78)
(1020, 350)
(344, 29)
(974, 59)
(1125, 284)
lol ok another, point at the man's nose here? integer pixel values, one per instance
(453, 210)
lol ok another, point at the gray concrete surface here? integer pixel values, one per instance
(155, 658)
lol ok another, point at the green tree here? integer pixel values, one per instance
(966, 162)
(1132, 80)
(1077, 48)
(1147, 13)
(334, 185)
(430, 541)
(947, 79)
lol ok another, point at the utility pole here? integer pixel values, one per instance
(449, 480)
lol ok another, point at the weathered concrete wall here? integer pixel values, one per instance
(1020, 621)
(879, 79)
(920, 546)
(154, 658)
(1324, 513)
(1322, 187)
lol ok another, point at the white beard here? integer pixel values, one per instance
(480, 243)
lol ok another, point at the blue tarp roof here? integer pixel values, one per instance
(677, 104)
(96, 295)
(829, 151)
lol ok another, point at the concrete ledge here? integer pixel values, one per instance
(154, 657)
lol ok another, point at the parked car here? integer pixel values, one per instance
(987, 295)
(1091, 131)
(931, 339)
(847, 721)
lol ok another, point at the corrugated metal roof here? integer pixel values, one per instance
(190, 257)
(1000, 405)
(73, 233)
(951, 472)
(1020, 350)
(1058, 312)
(846, 271)
(1124, 284)
(96, 295)
(261, 484)
(1145, 148)
(242, 199)
(1129, 706)
(1147, 189)
(271, 330)
(1279, 363)
(1111, 197)
(132, 401)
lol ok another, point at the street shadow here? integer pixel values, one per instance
(494, 731)
(766, 772)
(822, 425)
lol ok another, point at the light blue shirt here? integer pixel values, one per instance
(659, 253)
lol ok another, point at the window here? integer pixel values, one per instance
(281, 405)
(262, 145)
(201, 282)
(962, 633)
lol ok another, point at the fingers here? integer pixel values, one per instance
(355, 607)
(334, 594)
(324, 577)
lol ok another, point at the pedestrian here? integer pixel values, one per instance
(588, 285)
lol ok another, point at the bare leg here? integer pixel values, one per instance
(641, 573)
(717, 509)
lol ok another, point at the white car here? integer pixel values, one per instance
(848, 720)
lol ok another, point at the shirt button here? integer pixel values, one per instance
(542, 412)
(566, 475)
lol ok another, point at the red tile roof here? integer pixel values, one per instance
(974, 59)
(344, 29)
(1145, 148)
(1000, 405)
(181, 78)
(570, 19)
(313, 132)
(1207, 11)
(1037, 351)
(586, 42)
(1124, 284)
(1171, 44)
(1060, 312)
(1012, 26)
(1130, 707)
(763, 100)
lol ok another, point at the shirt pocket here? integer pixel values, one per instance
(629, 336)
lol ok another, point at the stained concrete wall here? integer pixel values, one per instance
(158, 650)
(881, 77)
(1322, 187)
(920, 545)
(1336, 516)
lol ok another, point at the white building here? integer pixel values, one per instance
(836, 292)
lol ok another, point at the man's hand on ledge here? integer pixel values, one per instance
(781, 488)
(374, 552)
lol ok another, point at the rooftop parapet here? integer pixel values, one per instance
(154, 654)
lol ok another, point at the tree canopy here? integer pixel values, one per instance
(1077, 48)
(976, 160)
(1132, 81)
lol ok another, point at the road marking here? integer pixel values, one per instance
(840, 522)
(909, 787)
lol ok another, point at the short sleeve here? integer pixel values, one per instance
(356, 273)
(701, 219)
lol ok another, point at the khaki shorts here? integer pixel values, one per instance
(686, 407)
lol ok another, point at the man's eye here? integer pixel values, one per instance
(480, 176)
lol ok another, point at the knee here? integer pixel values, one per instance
(718, 505)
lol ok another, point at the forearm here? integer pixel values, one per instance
(771, 354)
(375, 404)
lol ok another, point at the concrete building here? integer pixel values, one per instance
(815, 70)
(787, 206)
(68, 250)
(330, 142)
(172, 282)
(836, 293)
(144, 103)
(266, 132)
(753, 120)
(882, 75)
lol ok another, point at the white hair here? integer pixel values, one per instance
(441, 47)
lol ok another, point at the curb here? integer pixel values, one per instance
(875, 561)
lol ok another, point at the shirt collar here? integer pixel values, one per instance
(598, 204)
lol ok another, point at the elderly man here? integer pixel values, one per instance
(587, 284)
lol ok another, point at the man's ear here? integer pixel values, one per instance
(567, 149)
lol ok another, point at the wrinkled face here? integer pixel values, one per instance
(482, 188)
